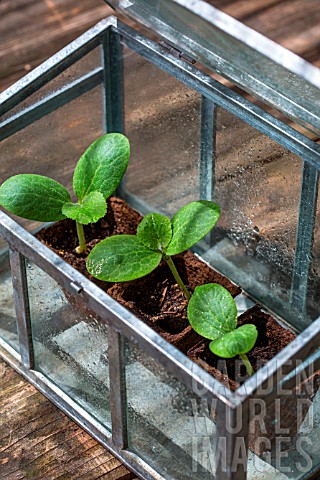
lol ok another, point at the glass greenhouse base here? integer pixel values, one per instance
(160, 413)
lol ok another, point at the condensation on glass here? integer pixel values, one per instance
(314, 271)
(70, 344)
(257, 185)
(162, 121)
(168, 426)
(8, 326)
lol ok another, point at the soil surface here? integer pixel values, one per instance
(158, 301)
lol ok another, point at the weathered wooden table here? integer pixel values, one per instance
(36, 440)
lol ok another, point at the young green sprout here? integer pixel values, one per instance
(126, 257)
(96, 176)
(212, 313)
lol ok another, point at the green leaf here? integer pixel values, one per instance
(212, 312)
(102, 166)
(34, 197)
(234, 343)
(191, 224)
(121, 258)
(92, 208)
(155, 231)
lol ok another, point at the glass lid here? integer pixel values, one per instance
(255, 63)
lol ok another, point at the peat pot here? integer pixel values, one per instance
(119, 358)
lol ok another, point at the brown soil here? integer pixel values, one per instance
(159, 302)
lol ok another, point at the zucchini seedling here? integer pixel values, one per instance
(126, 257)
(96, 176)
(212, 312)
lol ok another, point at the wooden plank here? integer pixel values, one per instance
(294, 24)
(33, 30)
(38, 441)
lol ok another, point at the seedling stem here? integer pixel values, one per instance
(247, 363)
(82, 241)
(177, 277)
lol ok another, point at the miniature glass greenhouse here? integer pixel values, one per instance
(192, 137)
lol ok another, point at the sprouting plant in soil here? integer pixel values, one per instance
(96, 176)
(127, 257)
(212, 312)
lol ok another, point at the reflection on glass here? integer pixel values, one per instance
(80, 68)
(8, 325)
(295, 417)
(163, 124)
(168, 426)
(257, 185)
(70, 344)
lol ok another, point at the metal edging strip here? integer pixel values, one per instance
(314, 474)
(253, 39)
(118, 398)
(21, 302)
(50, 103)
(207, 148)
(232, 436)
(304, 241)
(113, 117)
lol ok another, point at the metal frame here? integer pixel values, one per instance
(122, 323)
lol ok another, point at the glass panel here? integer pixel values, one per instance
(163, 423)
(8, 325)
(163, 125)
(171, 428)
(83, 66)
(53, 145)
(314, 270)
(257, 181)
(257, 185)
(248, 59)
(70, 344)
(294, 419)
